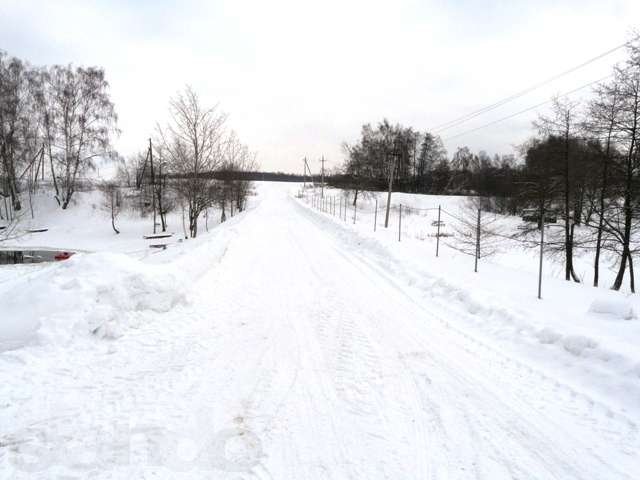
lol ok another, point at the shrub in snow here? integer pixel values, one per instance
(619, 308)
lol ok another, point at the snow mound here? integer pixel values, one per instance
(548, 336)
(87, 294)
(578, 345)
(619, 308)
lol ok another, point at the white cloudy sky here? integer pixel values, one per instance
(298, 78)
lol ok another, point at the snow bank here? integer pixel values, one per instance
(568, 334)
(103, 293)
(87, 294)
(619, 308)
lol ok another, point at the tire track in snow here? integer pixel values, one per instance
(353, 358)
(468, 346)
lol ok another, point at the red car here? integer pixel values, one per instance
(62, 256)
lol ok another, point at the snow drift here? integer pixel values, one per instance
(103, 293)
(618, 308)
(87, 294)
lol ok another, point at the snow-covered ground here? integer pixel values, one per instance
(287, 343)
(421, 211)
(86, 226)
(592, 333)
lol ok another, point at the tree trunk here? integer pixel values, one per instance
(184, 229)
(568, 247)
(163, 219)
(193, 225)
(632, 278)
(628, 216)
(574, 277)
(578, 205)
(617, 283)
(113, 217)
(601, 201)
(11, 179)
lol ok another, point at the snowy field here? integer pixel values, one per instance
(287, 343)
(86, 226)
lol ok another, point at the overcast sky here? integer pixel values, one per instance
(298, 78)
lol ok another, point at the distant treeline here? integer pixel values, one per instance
(257, 176)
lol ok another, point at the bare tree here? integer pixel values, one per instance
(628, 141)
(240, 160)
(78, 121)
(563, 124)
(193, 143)
(432, 152)
(231, 188)
(603, 115)
(113, 201)
(475, 233)
(354, 170)
(541, 184)
(19, 147)
(159, 182)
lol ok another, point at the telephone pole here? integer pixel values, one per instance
(322, 184)
(308, 169)
(304, 174)
(395, 154)
(153, 187)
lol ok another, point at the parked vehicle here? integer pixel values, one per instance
(533, 215)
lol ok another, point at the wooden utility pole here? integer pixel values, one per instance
(322, 184)
(161, 185)
(475, 268)
(307, 169)
(375, 216)
(391, 174)
(438, 234)
(153, 187)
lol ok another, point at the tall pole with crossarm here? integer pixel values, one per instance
(322, 183)
(394, 154)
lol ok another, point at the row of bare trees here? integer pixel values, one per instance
(586, 165)
(193, 162)
(203, 158)
(54, 121)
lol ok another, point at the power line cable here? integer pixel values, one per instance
(526, 109)
(499, 103)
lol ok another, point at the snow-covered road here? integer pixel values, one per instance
(299, 357)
